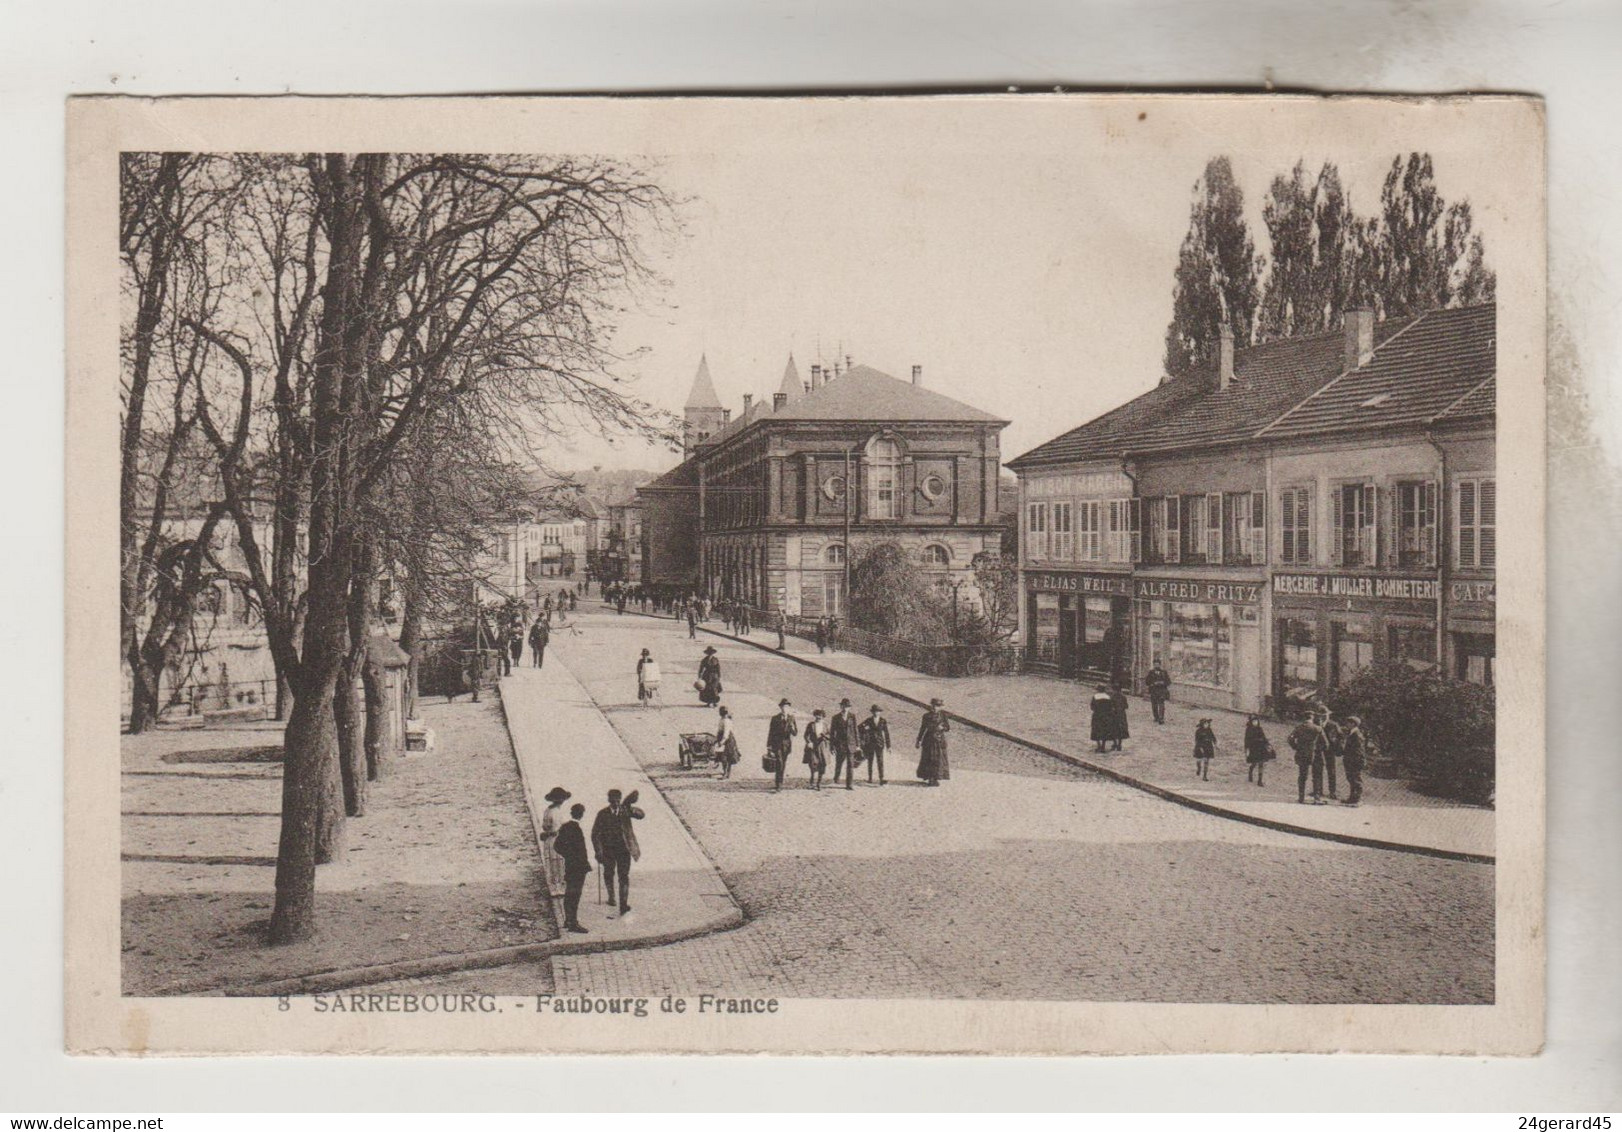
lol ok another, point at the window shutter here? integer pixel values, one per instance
(1135, 508)
(1337, 545)
(1213, 527)
(1286, 526)
(1258, 527)
(1428, 525)
(1369, 535)
(1487, 523)
(1467, 523)
(1174, 528)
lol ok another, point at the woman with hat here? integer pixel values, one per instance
(551, 862)
(1103, 705)
(709, 678)
(932, 764)
(647, 678)
(816, 747)
(726, 744)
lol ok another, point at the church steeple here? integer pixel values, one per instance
(704, 416)
(790, 388)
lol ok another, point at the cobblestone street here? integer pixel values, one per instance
(1019, 878)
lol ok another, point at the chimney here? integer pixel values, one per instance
(848, 363)
(748, 400)
(917, 375)
(778, 401)
(816, 377)
(1359, 337)
(1225, 358)
(726, 416)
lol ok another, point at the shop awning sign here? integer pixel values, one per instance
(1199, 590)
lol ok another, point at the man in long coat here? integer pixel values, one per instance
(933, 765)
(1308, 743)
(1159, 683)
(874, 735)
(613, 841)
(847, 747)
(1353, 756)
(539, 635)
(780, 734)
(570, 844)
(1118, 706)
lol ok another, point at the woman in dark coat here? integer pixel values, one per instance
(933, 765)
(815, 757)
(1118, 704)
(709, 675)
(1103, 706)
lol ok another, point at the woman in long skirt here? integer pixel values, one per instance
(933, 764)
(709, 677)
(816, 747)
(551, 862)
(727, 754)
(1103, 705)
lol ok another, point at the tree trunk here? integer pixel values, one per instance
(351, 754)
(144, 706)
(309, 745)
(411, 644)
(372, 678)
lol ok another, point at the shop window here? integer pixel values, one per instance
(1416, 524)
(1412, 644)
(1295, 526)
(1064, 530)
(1089, 544)
(1353, 524)
(1476, 541)
(883, 470)
(1199, 644)
(1036, 530)
(1354, 651)
(1045, 627)
(1095, 620)
(1473, 655)
(1298, 658)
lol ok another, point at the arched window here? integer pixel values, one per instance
(883, 478)
(937, 556)
(835, 554)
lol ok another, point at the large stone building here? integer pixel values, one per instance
(1270, 525)
(769, 506)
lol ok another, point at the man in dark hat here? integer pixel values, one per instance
(571, 848)
(874, 735)
(539, 635)
(847, 748)
(932, 764)
(1353, 755)
(613, 840)
(780, 734)
(1159, 683)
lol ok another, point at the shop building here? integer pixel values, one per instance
(1299, 510)
(769, 507)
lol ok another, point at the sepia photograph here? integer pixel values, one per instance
(999, 574)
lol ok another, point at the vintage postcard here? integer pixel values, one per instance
(1008, 574)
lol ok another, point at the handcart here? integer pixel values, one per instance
(695, 748)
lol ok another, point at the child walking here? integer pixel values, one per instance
(1204, 749)
(1257, 750)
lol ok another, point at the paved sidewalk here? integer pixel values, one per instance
(1053, 714)
(562, 739)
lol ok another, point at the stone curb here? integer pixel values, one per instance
(1117, 776)
(343, 979)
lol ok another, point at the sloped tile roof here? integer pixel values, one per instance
(1482, 401)
(1268, 380)
(1413, 379)
(863, 393)
(684, 474)
(1108, 436)
(790, 386)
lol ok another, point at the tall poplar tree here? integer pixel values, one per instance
(1218, 272)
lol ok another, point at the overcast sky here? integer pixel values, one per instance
(1022, 255)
